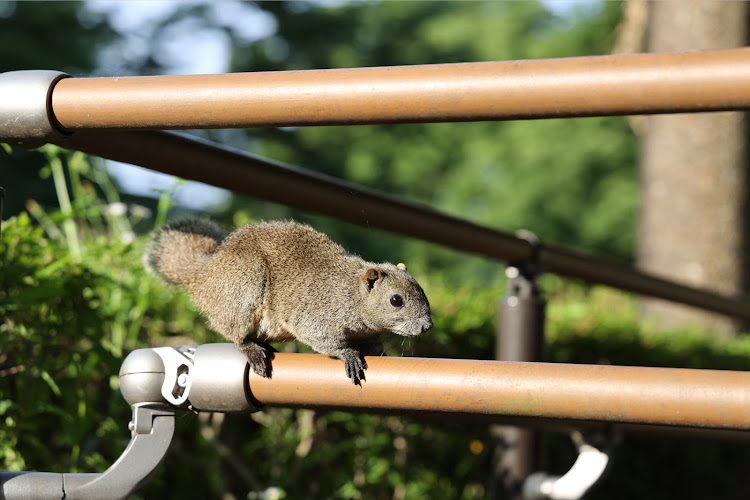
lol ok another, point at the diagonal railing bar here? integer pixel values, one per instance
(203, 161)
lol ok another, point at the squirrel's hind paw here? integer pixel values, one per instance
(259, 358)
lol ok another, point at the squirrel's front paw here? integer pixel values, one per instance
(259, 358)
(355, 365)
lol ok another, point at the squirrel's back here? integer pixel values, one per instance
(180, 250)
(289, 246)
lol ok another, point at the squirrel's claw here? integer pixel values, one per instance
(355, 366)
(259, 358)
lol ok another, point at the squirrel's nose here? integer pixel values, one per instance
(426, 325)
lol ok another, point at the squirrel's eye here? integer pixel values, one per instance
(397, 300)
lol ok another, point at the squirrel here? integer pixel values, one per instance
(282, 280)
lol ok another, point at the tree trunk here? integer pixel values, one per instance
(694, 176)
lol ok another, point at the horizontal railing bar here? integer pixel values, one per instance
(240, 172)
(617, 394)
(546, 88)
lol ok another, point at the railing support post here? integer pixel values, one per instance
(520, 337)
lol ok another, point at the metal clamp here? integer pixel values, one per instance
(209, 377)
(531, 267)
(162, 374)
(26, 117)
(178, 365)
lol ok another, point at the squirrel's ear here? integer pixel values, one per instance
(371, 277)
(401, 266)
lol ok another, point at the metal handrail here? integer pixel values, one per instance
(546, 88)
(715, 399)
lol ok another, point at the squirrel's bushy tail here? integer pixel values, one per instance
(180, 250)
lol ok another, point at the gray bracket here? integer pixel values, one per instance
(156, 383)
(25, 107)
(152, 429)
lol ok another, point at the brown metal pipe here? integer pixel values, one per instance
(618, 394)
(240, 172)
(545, 88)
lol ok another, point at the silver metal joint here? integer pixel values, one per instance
(209, 377)
(26, 117)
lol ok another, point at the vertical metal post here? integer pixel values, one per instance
(520, 337)
(521, 323)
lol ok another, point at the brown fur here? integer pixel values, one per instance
(282, 280)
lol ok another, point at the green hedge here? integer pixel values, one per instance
(75, 300)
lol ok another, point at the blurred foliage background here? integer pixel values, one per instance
(75, 299)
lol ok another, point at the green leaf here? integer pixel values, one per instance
(50, 382)
(5, 405)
